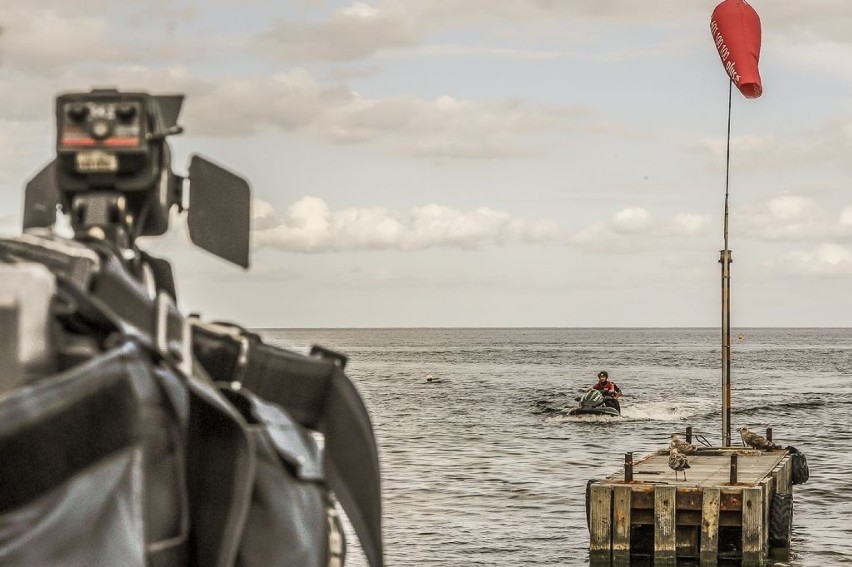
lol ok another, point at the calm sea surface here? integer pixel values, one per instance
(482, 467)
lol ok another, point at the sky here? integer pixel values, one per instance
(471, 163)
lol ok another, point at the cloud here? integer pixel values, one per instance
(443, 127)
(826, 260)
(634, 228)
(41, 39)
(829, 143)
(50, 37)
(10, 226)
(844, 225)
(689, 224)
(361, 30)
(310, 226)
(354, 32)
(784, 217)
(634, 220)
(816, 20)
(49, 48)
(295, 102)
(18, 141)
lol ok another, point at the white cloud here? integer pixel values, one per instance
(829, 143)
(361, 30)
(43, 40)
(844, 225)
(295, 102)
(826, 260)
(634, 220)
(634, 228)
(350, 33)
(814, 21)
(444, 127)
(688, 224)
(18, 141)
(784, 217)
(310, 226)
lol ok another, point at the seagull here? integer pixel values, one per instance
(752, 439)
(677, 462)
(683, 447)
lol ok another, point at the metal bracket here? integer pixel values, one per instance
(174, 344)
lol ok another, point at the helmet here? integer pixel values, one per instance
(603, 374)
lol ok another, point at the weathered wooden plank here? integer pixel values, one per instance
(731, 499)
(753, 549)
(688, 499)
(782, 473)
(621, 498)
(688, 518)
(768, 488)
(664, 523)
(788, 475)
(600, 522)
(710, 509)
(643, 498)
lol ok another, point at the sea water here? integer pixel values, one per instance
(481, 466)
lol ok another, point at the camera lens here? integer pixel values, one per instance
(100, 128)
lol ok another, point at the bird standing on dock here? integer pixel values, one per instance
(752, 439)
(677, 462)
(682, 447)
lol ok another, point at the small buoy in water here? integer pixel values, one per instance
(740, 337)
(429, 378)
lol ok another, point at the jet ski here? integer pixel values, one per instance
(593, 402)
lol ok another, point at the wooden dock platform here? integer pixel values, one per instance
(721, 511)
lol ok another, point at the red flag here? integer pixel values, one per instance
(736, 30)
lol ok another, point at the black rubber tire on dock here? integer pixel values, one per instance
(800, 471)
(780, 520)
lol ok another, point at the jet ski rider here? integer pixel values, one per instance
(607, 387)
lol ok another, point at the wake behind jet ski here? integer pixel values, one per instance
(600, 399)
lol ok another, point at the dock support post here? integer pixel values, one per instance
(628, 467)
(769, 434)
(752, 526)
(621, 524)
(600, 524)
(664, 525)
(733, 468)
(689, 434)
(710, 526)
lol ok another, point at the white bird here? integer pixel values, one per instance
(682, 447)
(678, 462)
(752, 439)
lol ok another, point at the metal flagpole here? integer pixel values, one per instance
(725, 260)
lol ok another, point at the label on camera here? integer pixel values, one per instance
(96, 161)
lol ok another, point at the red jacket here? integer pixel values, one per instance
(608, 386)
